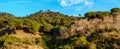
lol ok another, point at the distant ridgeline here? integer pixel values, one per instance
(96, 30)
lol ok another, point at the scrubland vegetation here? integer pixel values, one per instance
(53, 30)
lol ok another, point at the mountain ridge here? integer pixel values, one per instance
(53, 30)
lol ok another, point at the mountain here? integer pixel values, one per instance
(53, 30)
(51, 21)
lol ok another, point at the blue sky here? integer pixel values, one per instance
(69, 7)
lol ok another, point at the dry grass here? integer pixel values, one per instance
(86, 27)
(22, 34)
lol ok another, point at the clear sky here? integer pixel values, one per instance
(69, 7)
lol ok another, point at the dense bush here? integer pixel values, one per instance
(99, 14)
(32, 25)
(115, 11)
(8, 40)
(46, 27)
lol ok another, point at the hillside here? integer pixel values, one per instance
(26, 32)
(21, 40)
(53, 30)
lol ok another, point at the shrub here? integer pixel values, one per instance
(15, 23)
(32, 25)
(92, 46)
(46, 27)
(98, 14)
(8, 40)
(80, 41)
(115, 11)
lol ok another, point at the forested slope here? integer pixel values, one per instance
(53, 30)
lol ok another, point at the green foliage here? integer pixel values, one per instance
(106, 44)
(115, 11)
(14, 23)
(32, 25)
(57, 22)
(80, 41)
(2, 24)
(41, 42)
(50, 20)
(46, 27)
(92, 46)
(59, 43)
(68, 43)
(8, 40)
(66, 47)
(11, 23)
(56, 30)
(95, 37)
(99, 14)
(34, 41)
